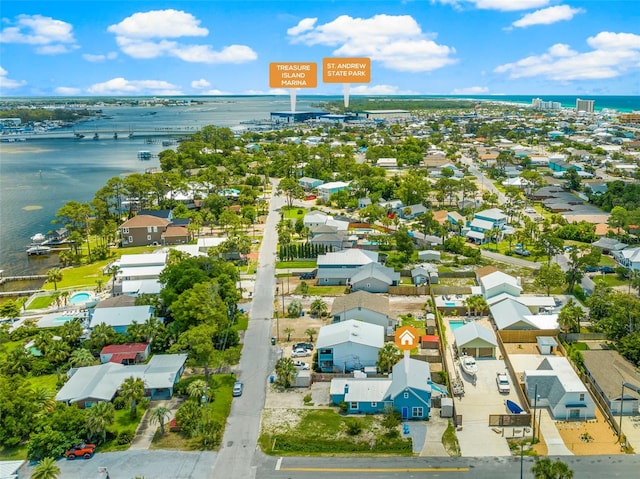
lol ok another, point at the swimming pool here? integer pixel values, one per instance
(450, 304)
(62, 319)
(80, 298)
(456, 324)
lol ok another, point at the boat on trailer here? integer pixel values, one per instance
(514, 408)
(469, 365)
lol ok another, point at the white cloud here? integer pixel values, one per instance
(122, 86)
(48, 35)
(8, 83)
(378, 90)
(67, 91)
(216, 92)
(159, 24)
(199, 84)
(503, 5)
(99, 58)
(613, 55)
(304, 25)
(472, 90)
(153, 34)
(397, 42)
(547, 16)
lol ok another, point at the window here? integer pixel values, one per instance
(353, 405)
(130, 239)
(417, 412)
(582, 397)
(406, 395)
(155, 229)
(148, 237)
(125, 231)
(149, 229)
(374, 404)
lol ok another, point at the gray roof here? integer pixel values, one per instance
(351, 331)
(609, 370)
(472, 331)
(410, 373)
(121, 316)
(103, 381)
(610, 244)
(509, 312)
(375, 270)
(350, 257)
(374, 302)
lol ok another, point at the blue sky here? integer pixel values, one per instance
(220, 47)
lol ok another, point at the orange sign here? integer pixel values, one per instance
(346, 70)
(406, 338)
(293, 75)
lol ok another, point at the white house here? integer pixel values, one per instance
(497, 283)
(326, 190)
(511, 314)
(475, 340)
(629, 258)
(138, 273)
(349, 345)
(559, 388)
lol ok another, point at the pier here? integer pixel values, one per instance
(33, 277)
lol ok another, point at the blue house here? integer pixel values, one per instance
(407, 391)
(120, 318)
(483, 222)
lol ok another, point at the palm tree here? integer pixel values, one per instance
(47, 468)
(311, 333)
(54, 275)
(318, 308)
(99, 417)
(132, 390)
(197, 389)
(545, 469)
(286, 372)
(388, 356)
(288, 332)
(160, 414)
(81, 357)
(570, 316)
(45, 400)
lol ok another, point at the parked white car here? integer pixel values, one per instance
(300, 353)
(502, 380)
(301, 365)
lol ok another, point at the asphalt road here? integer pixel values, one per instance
(237, 452)
(584, 467)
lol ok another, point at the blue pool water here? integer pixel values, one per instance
(78, 298)
(450, 305)
(62, 319)
(455, 325)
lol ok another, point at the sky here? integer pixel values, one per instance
(224, 47)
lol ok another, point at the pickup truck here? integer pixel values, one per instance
(502, 380)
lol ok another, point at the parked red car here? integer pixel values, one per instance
(81, 450)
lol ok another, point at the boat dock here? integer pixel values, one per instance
(32, 277)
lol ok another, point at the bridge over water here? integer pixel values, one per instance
(101, 134)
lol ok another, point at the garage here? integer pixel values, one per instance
(475, 340)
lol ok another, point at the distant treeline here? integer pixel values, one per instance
(42, 114)
(409, 104)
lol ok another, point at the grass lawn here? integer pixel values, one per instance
(324, 431)
(18, 453)
(294, 212)
(47, 381)
(6, 348)
(326, 290)
(85, 276)
(41, 302)
(296, 264)
(123, 423)
(609, 280)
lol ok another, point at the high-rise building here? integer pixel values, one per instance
(540, 104)
(585, 105)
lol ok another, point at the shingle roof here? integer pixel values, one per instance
(373, 302)
(142, 221)
(609, 369)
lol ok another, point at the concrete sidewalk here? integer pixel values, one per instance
(552, 438)
(146, 429)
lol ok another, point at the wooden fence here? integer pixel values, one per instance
(406, 290)
(525, 336)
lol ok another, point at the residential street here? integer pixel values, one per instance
(236, 458)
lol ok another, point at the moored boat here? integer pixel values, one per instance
(38, 249)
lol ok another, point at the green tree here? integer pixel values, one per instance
(99, 417)
(388, 356)
(132, 390)
(404, 242)
(310, 332)
(198, 342)
(47, 468)
(290, 188)
(197, 389)
(159, 415)
(9, 309)
(288, 332)
(545, 468)
(570, 316)
(189, 418)
(318, 308)
(294, 309)
(549, 276)
(286, 372)
(54, 275)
